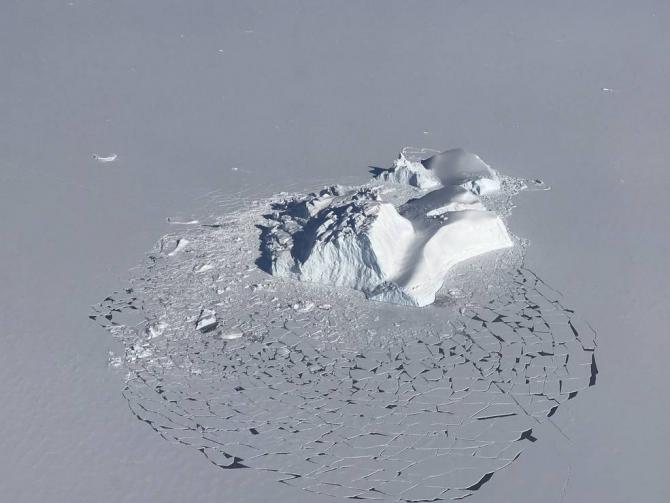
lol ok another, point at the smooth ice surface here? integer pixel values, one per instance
(393, 244)
(206, 98)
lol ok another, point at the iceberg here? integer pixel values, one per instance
(395, 238)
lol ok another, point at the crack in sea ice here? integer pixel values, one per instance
(333, 393)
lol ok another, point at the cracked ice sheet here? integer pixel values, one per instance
(336, 394)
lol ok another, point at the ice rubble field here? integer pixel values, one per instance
(334, 393)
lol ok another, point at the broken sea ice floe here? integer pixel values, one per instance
(206, 320)
(171, 246)
(394, 241)
(442, 398)
(105, 158)
(231, 336)
(452, 401)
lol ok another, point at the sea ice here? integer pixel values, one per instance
(231, 336)
(206, 320)
(332, 393)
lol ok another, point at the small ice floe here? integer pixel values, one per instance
(155, 329)
(535, 184)
(206, 321)
(114, 361)
(105, 158)
(230, 336)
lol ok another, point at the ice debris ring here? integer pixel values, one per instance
(394, 245)
(332, 393)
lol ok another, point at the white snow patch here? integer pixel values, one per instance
(181, 244)
(408, 169)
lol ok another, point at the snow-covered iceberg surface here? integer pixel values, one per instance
(396, 237)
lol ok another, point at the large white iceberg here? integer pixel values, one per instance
(394, 239)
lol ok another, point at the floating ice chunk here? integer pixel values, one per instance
(458, 167)
(206, 320)
(156, 329)
(466, 234)
(102, 158)
(230, 336)
(502, 357)
(303, 307)
(409, 170)
(357, 248)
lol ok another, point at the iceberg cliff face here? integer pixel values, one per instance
(399, 253)
(357, 255)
